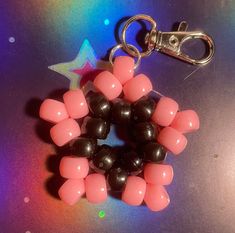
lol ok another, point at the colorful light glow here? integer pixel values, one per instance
(106, 22)
(11, 39)
(102, 214)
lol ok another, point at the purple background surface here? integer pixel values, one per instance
(37, 34)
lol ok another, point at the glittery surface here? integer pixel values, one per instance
(36, 34)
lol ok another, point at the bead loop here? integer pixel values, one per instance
(131, 47)
(151, 128)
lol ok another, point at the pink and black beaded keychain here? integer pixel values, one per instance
(154, 127)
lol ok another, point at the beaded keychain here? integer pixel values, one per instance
(154, 127)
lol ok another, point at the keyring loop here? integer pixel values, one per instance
(126, 26)
(131, 48)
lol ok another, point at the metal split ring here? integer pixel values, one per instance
(130, 48)
(126, 46)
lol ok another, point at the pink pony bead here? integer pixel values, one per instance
(65, 131)
(123, 68)
(134, 191)
(161, 174)
(96, 189)
(137, 87)
(75, 103)
(108, 84)
(74, 167)
(53, 111)
(165, 111)
(71, 191)
(186, 121)
(156, 197)
(172, 139)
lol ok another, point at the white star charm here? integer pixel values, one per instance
(85, 61)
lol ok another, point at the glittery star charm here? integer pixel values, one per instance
(84, 65)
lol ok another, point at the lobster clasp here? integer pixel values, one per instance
(171, 43)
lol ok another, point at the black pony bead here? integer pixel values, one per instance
(104, 158)
(117, 178)
(84, 147)
(121, 112)
(153, 152)
(132, 162)
(97, 128)
(99, 106)
(144, 131)
(142, 110)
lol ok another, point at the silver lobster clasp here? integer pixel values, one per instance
(170, 42)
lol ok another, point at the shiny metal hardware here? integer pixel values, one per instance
(131, 47)
(169, 42)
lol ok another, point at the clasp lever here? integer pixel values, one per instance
(171, 43)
